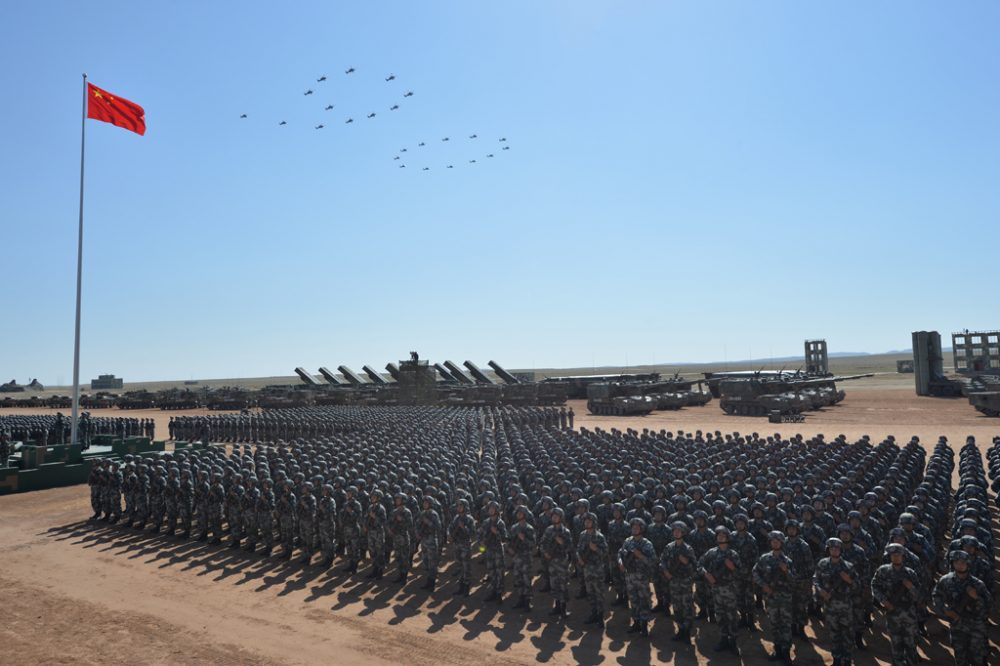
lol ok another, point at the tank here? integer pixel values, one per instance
(790, 393)
(986, 402)
(618, 399)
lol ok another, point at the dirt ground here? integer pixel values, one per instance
(81, 593)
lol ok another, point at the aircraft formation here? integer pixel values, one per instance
(371, 116)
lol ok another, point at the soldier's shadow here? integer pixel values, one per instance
(550, 641)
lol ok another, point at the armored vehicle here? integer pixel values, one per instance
(987, 402)
(618, 399)
(787, 394)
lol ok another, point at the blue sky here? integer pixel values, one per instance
(685, 181)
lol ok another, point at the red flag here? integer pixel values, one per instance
(102, 105)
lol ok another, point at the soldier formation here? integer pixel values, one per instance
(49, 430)
(712, 527)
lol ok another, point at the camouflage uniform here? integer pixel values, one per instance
(776, 571)
(592, 554)
(838, 610)
(659, 534)
(968, 630)
(350, 519)
(803, 564)
(745, 545)
(522, 545)
(492, 535)
(265, 516)
(901, 619)
(185, 502)
(724, 590)
(556, 546)
(638, 558)
(251, 528)
(618, 532)
(94, 480)
(170, 491)
(428, 529)
(234, 508)
(400, 527)
(461, 531)
(285, 511)
(375, 533)
(678, 565)
(216, 499)
(702, 540)
(326, 519)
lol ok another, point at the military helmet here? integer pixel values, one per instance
(638, 522)
(680, 525)
(775, 534)
(894, 548)
(834, 542)
(956, 555)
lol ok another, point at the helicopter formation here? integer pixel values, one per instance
(371, 115)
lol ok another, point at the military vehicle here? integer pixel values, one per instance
(137, 400)
(986, 402)
(676, 392)
(984, 394)
(618, 399)
(786, 394)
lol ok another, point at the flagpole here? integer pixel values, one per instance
(79, 276)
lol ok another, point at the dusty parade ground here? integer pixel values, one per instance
(76, 592)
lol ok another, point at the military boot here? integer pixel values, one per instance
(621, 599)
(859, 641)
(591, 619)
(634, 627)
(492, 596)
(431, 583)
(520, 602)
(555, 609)
(722, 645)
(644, 628)
(378, 573)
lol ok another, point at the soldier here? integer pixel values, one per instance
(637, 560)
(556, 546)
(265, 514)
(248, 510)
(216, 500)
(375, 533)
(719, 566)
(492, 536)
(522, 545)
(325, 521)
(659, 534)
(773, 574)
(856, 555)
(702, 540)
(428, 528)
(129, 484)
(185, 502)
(202, 489)
(834, 581)
(285, 511)
(400, 526)
(234, 512)
(113, 482)
(745, 546)
(804, 566)
(592, 555)
(965, 602)
(94, 481)
(897, 589)
(618, 532)
(570, 414)
(461, 531)
(170, 492)
(678, 566)
(156, 492)
(305, 512)
(351, 519)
